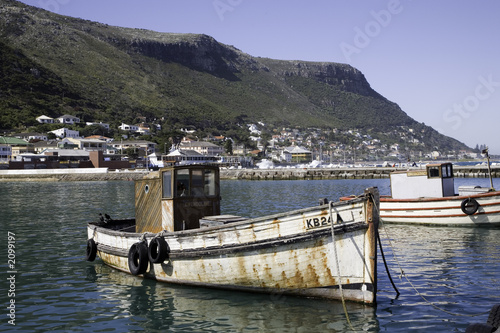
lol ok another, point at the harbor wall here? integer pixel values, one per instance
(345, 173)
(102, 174)
(77, 174)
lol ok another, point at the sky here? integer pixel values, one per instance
(438, 60)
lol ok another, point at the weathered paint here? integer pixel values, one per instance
(289, 253)
(147, 205)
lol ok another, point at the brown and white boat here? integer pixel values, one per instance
(427, 197)
(179, 236)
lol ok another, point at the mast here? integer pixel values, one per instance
(485, 151)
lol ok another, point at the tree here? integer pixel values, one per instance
(228, 146)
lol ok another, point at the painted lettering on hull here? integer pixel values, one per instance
(318, 222)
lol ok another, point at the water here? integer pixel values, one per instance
(455, 269)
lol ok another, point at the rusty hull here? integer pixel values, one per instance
(290, 253)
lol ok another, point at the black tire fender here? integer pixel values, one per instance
(469, 206)
(158, 250)
(494, 317)
(91, 250)
(479, 328)
(138, 258)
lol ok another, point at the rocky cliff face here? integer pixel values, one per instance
(346, 77)
(113, 74)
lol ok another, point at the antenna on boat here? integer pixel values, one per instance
(485, 151)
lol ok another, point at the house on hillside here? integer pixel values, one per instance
(129, 128)
(296, 154)
(5, 153)
(68, 119)
(66, 133)
(104, 125)
(188, 156)
(87, 144)
(31, 136)
(202, 147)
(100, 137)
(42, 146)
(15, 145)
(45, 120)
(142, 147)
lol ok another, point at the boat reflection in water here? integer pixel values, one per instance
(170, 307)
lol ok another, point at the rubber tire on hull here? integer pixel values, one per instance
(91, 251)
(469, 206)
(479, 328)
(494, 317)
(138, 258)
(158, 250)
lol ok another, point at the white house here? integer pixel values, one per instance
(88, 144)
(202, 147)
(106, 126)
(31, 136)
(143, 147)
(144, 130)
(5, 153)
(45, 120)
(66, 133)
(68, 119)
(130, 128)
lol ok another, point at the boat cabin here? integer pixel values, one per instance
(176, 198)
(435, 181)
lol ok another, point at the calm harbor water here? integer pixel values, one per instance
(456, 270)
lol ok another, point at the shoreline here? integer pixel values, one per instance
(103, 174)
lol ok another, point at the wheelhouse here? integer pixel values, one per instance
(175, 198)
(435, 181)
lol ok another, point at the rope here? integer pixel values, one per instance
(338, 267)
(385, 264)
(414, 288)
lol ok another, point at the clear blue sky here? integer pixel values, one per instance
(438, 60)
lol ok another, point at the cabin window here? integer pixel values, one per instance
(447, 171)
(182, 183)
(197, 183)
(167, 181)
(433, 172)
(210, 189)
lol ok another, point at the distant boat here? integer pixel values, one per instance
(427, 197)
(178, 236)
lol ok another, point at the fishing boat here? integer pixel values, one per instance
(179, 236)
(428, 197)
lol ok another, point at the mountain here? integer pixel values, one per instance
(54, 64)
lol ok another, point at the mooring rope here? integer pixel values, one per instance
(338, 266)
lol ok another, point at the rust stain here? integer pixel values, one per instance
(311, 275)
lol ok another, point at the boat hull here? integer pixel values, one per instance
(290, 253)
(446, 211)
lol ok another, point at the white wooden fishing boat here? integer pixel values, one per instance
(178, 236)
(428, 197)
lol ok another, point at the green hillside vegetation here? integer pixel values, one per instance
(54, 65)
